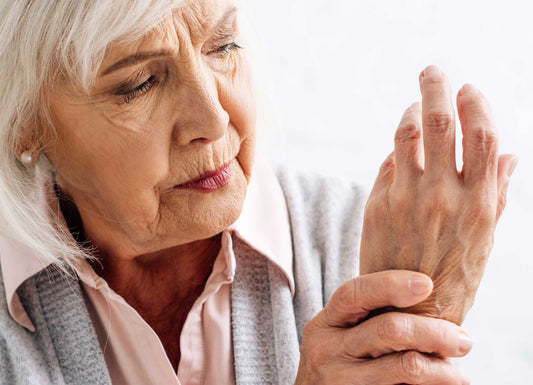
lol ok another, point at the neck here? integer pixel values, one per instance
(149, 282)
(162, 286)
(167, 274)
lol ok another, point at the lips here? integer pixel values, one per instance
(210, 181)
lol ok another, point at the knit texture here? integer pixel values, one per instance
(326, 218)
(267, 323)
(252, 326)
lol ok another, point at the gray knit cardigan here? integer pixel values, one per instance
(267, 323)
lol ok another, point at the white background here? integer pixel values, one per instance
(344, 71)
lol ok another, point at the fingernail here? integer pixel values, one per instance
(432, 71)
(467, 88)
(513, 166)
(419, 285)
(465, 342)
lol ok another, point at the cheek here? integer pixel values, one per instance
(236, 97)
(140, 117)
(104, 159)
(115, 158)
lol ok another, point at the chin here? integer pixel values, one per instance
(194, 215)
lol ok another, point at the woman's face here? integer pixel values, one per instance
(165, 110)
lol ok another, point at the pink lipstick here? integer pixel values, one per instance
(210, 181)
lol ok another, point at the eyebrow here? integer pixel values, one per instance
(134, 59)
(230, 12)
(143, 56)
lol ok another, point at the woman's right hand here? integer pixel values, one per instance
(340, 347)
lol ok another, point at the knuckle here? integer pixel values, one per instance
(412, 366)
(387, 166)
(375, 210)
(438, 122)
(482, 214)
(340, 308)
(407, 133)
(350, 291)
(393, 329)
(371, 207)
(359, 289)
(443, 333)
(373, 288)
(309, 329)
(484, 136)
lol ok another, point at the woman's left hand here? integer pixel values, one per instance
(423, 214)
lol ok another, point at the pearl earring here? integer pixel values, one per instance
(26, 158)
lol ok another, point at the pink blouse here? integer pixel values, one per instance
(133, 352)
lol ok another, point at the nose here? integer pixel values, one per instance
(201, 115)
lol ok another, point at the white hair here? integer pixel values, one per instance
(41, 42)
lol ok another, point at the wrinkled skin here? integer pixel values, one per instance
(422, 214)
(341, 346)
(145, 128)
(388, 326)
(178, 107)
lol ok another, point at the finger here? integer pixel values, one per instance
(438, 120)
(480, 140)
(506, 165)
(355, 298)
(408, 149)
(395, 332)
(385, 175)
(408, 367)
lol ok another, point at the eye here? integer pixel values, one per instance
(129, 94)
(226, 48)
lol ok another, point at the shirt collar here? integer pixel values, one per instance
(18, 264)
(263, 225)
(264, 220)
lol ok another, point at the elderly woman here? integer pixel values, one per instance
(141, 244)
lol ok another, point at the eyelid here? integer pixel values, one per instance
(140, 90)
(130, 83)
(224, 35)
(141, 82)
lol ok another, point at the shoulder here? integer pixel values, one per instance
(22, 360)
(63, 347)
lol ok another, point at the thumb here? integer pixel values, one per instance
(353, 301)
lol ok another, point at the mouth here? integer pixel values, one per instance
(210, 181)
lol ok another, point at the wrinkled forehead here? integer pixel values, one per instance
(199, 16)
(192, 21)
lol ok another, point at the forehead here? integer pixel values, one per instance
(192, 21)
(200, 15)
